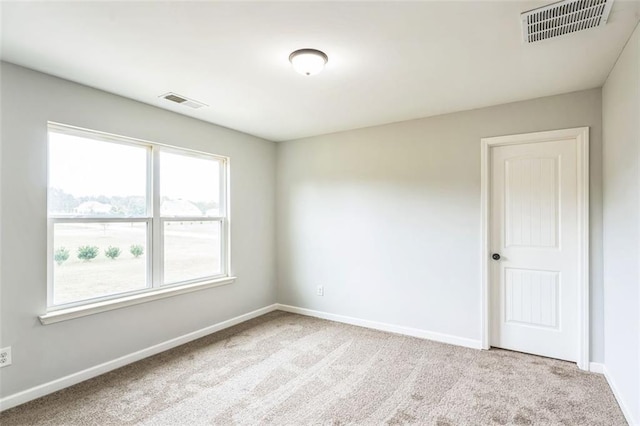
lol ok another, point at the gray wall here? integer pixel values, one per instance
(44, 353)
(621, 160)
(387, 218)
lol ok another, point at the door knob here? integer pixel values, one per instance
(495, 256)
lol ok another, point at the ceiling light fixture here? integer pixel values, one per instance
(308, 61)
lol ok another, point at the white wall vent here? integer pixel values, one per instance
(182, 100)
(564, 17)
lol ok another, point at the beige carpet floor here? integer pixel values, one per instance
(285, 369)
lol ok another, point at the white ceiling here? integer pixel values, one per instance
(388, 61)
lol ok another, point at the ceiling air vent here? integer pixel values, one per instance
(179, 99)
(564, 17)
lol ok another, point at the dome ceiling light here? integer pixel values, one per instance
(308, 61)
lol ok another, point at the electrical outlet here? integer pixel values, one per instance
(320, 290)
(5, 356)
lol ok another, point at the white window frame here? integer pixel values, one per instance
(155, 287)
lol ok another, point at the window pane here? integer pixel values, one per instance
(96, 178)
(98, 259)
(191, 250)
(189, 186)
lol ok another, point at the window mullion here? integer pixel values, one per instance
(50, 249)
(156, 225)
(225, 240)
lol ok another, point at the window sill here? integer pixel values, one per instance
(121, 302)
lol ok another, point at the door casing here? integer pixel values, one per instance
(581, 135)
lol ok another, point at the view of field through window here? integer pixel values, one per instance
(89, 277)
(191, 250)
(95, 185)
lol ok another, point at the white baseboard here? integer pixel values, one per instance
(596, 367)
(414, 332)
(623, 406)
(72, 379)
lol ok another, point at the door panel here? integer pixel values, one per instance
(532, 297)
(534, 215)
(531, 202)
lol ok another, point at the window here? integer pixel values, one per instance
(129, 217)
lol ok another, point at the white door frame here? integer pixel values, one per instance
(581, 135)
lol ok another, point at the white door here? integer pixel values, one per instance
(534, 231)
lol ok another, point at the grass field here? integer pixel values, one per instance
(191, 251)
